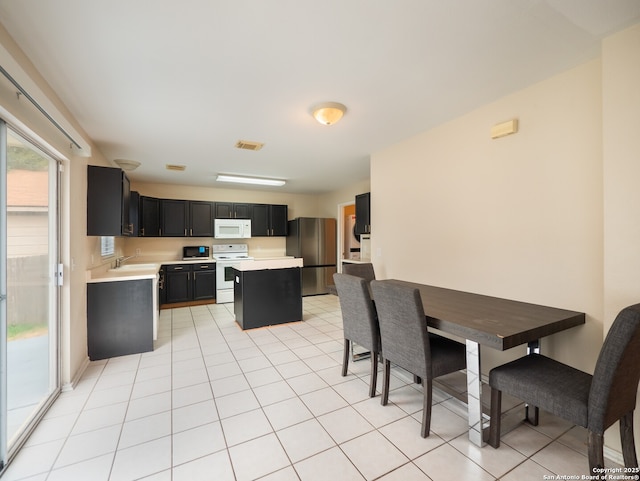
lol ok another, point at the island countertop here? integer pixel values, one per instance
(269, 263)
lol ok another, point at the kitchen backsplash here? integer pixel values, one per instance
(149, 248)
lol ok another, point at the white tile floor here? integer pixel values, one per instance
(214, 403)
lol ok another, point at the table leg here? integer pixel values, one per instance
(533, 347)
(474, 393)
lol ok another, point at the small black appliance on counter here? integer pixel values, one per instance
(195, 252)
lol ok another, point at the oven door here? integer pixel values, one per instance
(225, 281)
(224, 275)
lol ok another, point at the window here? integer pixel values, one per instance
(29, 256)
(107, 246)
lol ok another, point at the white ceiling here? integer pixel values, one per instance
(166, 82)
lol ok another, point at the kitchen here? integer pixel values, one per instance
(201, 273)
(463, 241)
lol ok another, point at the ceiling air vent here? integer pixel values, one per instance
(248, 145)
(179, 168)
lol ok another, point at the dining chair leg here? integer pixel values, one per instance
(417, 379)
(374, 374)
(427, 386)
(596, 451)
(536, 414)
(345, 357)
(496, 415)
(628, 441)
(386, 373)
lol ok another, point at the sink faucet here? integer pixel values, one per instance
(121, 260)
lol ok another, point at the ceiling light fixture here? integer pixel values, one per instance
(328, 113)
(127, 165)
(249, 180)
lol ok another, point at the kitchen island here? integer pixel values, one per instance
(268, 292)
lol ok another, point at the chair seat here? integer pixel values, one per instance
(547, 384)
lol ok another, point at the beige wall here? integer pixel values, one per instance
(518, 217)
(621, 120)
(550, 215)
(328, 204)
(621, 155)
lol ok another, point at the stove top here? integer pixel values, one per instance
(223, 252)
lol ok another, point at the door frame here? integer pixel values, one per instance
(7, 453)
(340, 231)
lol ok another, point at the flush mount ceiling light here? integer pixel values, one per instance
(249, 180)
(127, 165)
(328, 113)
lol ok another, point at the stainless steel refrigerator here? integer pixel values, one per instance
(314, 239)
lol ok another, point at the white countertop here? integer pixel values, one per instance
(132, 271)
(262, 263)
(129, 272)
(356, 261)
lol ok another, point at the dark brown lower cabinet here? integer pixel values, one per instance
(189, 282)
(267, 297)
(119, 318)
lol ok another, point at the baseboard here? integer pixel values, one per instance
(70, 386)
(613, 455)
(202, 302)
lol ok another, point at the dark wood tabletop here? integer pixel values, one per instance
(492, 321)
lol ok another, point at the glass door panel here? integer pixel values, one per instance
(31, 216)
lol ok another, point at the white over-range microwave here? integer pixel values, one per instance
(232, 228)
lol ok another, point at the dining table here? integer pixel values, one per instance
(493, 322)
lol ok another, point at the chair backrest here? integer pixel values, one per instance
(403, 326)
(615, 379)
(360, 270)
(359, 319)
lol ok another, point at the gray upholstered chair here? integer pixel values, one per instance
(407, 343)
(359, 270)
(594, 402)
(360, 322)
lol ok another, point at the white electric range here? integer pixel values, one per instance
(227, 257)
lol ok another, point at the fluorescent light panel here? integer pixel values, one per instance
(249, 180)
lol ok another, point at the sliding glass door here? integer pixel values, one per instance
(28, 286)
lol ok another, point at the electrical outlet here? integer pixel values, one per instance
(138, 251)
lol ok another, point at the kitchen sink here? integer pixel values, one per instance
(135, 267)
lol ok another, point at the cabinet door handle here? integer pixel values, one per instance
(204, 267)
(191, 232)
(177, 268)
(185, 232)
(142, 231)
